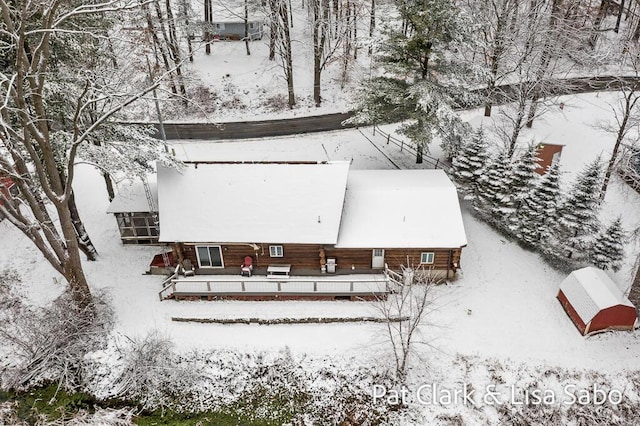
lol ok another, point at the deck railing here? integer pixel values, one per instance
(212, 285)
(168, 286)
(393, 276)
(407, 146)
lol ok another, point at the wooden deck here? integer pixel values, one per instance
(262, 287)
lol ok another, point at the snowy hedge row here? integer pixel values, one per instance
(534, 209)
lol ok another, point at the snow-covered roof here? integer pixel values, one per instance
(401, 209)
(132, 199)
(277, 203)
(589, 290)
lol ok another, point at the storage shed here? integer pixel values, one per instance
(548, 154)
(595, 303)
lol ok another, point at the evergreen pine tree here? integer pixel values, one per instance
(538, 208)
(454, 133)
(469, 163)
(493, 198)
(523, 177)
(423, 75)
(524, 174)
(578, 215)
(607, 250)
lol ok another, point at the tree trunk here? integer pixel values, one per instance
(498, 51)
(636, 32)
(354, 24)
(187, 24)
(346, 55)
(604, 4)
(171, 40)
(291, 13)
(337, 12)
(273, 29)
(72, 266)
(208, 14)
(372, 25)
(160, 49)
(84, 241)
(630, 102)
(545, 60)
(286, 53)
(109, 185)
(517, 124)
(246, 27)
(620, 10)
(319, 40)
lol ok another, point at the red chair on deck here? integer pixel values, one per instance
(246, 269)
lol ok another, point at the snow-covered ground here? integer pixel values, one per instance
(244, 87)
(502, 307)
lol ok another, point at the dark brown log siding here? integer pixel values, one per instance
(305, 258)
(361, 258)
(299, 256)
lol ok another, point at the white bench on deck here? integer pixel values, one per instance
(278, 271)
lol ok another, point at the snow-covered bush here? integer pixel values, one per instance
(152, 375)
(276, 102)
(48, 343)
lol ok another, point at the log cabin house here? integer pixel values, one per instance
(298, 218)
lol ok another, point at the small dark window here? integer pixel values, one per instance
(276, 251)
(427, 258)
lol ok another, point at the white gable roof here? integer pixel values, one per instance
(589, 290)
(132, 199)
(401, 209)
(277, 203)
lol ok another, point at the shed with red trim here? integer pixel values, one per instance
(595, 303)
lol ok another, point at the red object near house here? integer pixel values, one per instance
(158, 260)
(6, 185)
(246, 269)
(595, 303)
(548, 154)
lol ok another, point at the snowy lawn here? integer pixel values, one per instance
(502, 307)
(245, 86)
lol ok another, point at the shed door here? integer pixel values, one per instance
(377, 259)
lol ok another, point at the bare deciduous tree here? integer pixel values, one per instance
(624, 112)
(281, 42)
(39, 143)
(405, 310)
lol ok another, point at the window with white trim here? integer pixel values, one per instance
(427, 257)
(209, 256)
(220, 26)
(276, 251)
